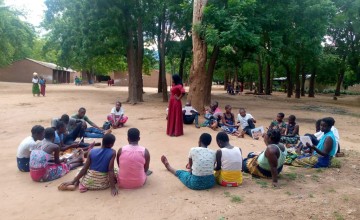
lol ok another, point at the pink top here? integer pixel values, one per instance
(131, 167)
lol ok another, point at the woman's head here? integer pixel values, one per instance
(50, 134)
(108, 141)
(222, 139)
(205, 139)
(176, 79)
(37, 132)
(280, 116)
(228, 108)
(272, 136)
(65, 118)
(291, 119)
(60, 127)
(133, 135)
(326, 124)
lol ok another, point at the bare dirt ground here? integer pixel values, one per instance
(303, 193)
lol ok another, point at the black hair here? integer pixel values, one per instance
(118, 102)
(242, 109)
(205, 139)
(329, 121)
(222, 136)
(82, 109)
(176, 79)
(65, 118)
(227, 106)
(37, 129)
(59, 125)
(49, 133)
(274, 135)
(281, 114)
(292, 117)
(133, 134)
(108, 140)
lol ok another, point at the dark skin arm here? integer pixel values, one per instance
(82, 172)
(218, 160)
(327, 147)
(147, 160)
(189, 165)
(226, 124)
(55, 150)
(295, 132)
(118, 157)
(272, 154)
(114, 191)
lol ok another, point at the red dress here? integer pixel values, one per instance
(175, 116)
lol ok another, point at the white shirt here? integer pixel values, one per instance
(231, 159)
(188, 110)
(25, 147)
(117, 113)
(203, 160)
(244, 120)
(35, 80)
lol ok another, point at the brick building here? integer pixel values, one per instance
(22, 71)
(122, 78)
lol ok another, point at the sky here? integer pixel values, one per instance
(33, 9)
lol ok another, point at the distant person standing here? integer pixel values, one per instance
(175, 114)
(35, 86)
(42, 83)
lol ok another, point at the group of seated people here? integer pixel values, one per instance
(40, 153)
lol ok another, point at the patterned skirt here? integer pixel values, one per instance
(94, 180)
(195, 182)
(49, 173)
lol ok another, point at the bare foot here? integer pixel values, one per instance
(108, 131)
(165, 161)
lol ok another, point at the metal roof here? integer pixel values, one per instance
(51, 65)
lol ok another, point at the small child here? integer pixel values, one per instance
(98, 171)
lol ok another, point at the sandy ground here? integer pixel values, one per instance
(303, 193)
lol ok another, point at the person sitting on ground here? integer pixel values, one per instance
(94, 131)
(74, 128)
(190, 115)
(212, 116)
(23, 152)
(98, 171)
(269, 163)
(228, 162)
(201, 165)
(228, 122)
(246, 122)
(117, 117)
(45, 163)
(278, 123)
(133, 161)
(324, 151)
(292, 132)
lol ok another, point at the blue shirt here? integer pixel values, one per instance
(321, 143)
(58, 138)
(100, 159)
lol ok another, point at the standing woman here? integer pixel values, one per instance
(175, 117)
(35, 86)
(42, 83)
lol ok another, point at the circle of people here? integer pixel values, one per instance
(50, 153)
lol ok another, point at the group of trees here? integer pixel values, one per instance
(235, 40)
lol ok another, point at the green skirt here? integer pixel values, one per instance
(35, 89)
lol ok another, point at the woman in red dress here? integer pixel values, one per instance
(175, 116)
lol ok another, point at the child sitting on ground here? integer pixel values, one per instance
(228, 122)
(98, 171)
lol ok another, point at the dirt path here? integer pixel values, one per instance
(303, 193)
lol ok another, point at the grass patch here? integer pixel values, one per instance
(292, 168)
(291, 176)
(288, 193)
(236, 199)
(346, 198)
(335, 163)
(315, 177)
(320, 170)
(263, 184)
(338, 216)
(222, 218)
(332, 190)
(311, 195)
(227, 194)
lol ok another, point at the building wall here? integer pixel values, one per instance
(122, 78)
(22, 71)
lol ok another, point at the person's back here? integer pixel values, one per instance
(231, 159)
(203, 161)
(100, 159)
(131, 167)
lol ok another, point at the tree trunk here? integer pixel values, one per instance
(130, 56)
(182, 63)
(312, 83)
(140, 58)
(268, 79)
(260, 77)
(210, 74)
(297, 79)
(198, 74)
(160, 61)
(339, 81)
(303, 80)
(162, 55)
(226, 79)
(289, 81)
